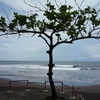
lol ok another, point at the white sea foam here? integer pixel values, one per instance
(64, 72)
(64, 66)
(68, 68)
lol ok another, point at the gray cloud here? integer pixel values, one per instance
(33, 48)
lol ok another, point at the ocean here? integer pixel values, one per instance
(70, 73)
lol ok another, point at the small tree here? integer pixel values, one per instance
(63, 22)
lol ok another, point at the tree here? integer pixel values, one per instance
(62, 22)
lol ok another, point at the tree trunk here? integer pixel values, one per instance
(54, 94)
(50, 73)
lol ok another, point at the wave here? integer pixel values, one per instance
(65, 67)
(73, 67)
(69, 66)
(89, 68)
(45, 67)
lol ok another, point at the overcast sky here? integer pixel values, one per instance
(34, 48)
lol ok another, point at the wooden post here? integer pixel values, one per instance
(45, 89)
(76, 94)
(9, 91)
(72, 91)
(9, 85)
(62, 87)
(45, 85)
(27, 84)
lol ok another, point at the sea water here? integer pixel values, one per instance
(71, 73)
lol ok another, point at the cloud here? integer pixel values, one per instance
(94, 51)
(20, 5)
(82, 50)
(33, 48)
(24, 48)
(16, 4)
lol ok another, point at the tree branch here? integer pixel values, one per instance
(44, 39)
(79, 6)
(12, 33)
(65, 41)
(26, 31)
(80, 38)
(56, 3)
(90, 33)
(7, 14)
(36, 32)
(71, 41)
(38, 8)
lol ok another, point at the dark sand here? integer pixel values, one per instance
(91, 92)
(88, 92)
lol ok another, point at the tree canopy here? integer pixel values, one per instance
(63, 19)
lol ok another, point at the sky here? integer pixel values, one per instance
(34, 48)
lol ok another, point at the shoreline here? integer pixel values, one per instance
(43, 79)
(88, 88)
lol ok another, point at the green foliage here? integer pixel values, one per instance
(70, 20)
(50, 6)
(31, 21)
(65, 8)
(20, 19)
(3, 24)
(62, 19)
(95, 21)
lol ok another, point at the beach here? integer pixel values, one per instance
(18, 76)
(91, 92)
